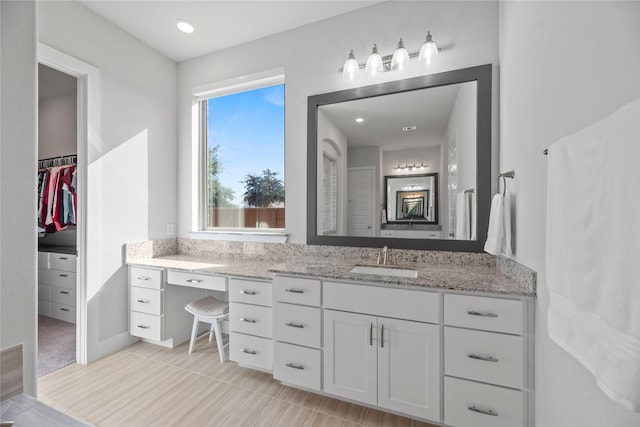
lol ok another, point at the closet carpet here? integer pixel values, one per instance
(149, 385)
(56, 344)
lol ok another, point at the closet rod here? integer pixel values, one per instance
(71, 159)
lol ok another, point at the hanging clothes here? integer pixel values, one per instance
(57, 198)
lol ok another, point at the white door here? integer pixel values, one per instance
(361, 203)
(350, 356)
(409, 367)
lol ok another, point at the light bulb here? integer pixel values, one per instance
(351, 68)
(184, 26)
(374, 62)
(428, 52)
(400, 57)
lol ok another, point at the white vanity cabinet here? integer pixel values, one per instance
(487, 361)
(57, 285)
(412, 234)
(385, 361)
(251, 323)
(297, 330)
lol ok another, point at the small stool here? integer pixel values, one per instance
(208, 310)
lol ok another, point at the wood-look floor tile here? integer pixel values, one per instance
(282, 413)
(300, 397)
(377, 418)
(341, 409)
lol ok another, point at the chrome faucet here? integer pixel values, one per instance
(387, 257)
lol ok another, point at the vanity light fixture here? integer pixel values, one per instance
(184, 26)
(410, 167)
(377, 64)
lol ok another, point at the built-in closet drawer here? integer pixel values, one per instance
(63, 279)
(43, 260)
(491, 314)
(63, 262)
(297, 290)
(146, 277)
(297, 365)
(297, 324)
(146, 300)
(194, 280)
(251, 319)
(250, 292)
(43, 291)
(64, 296)
(484, 356)
(62, 312)
(250, 350)
(44, 307)
(471, 404)
(145, 325)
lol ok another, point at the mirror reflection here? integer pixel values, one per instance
(395, 165)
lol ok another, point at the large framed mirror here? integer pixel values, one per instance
(405, 164)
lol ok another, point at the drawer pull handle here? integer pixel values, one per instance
(483, 411)
(248, 292)
(143, 326)
(63, 275)
(294, 366)
(246, 350)
(481, 314)
(64, 309)
(295, 291)
(245, 319)
(195, 280)
(64, 258)
(144, 278)
(144, 301)
(295, 325)
(483, 358)
(64, 292)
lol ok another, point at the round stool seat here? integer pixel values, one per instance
(208, 307)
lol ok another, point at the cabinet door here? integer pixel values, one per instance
(350, 356)
(409, 367)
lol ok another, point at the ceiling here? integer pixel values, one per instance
(218, 24)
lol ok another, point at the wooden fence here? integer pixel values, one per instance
(246, 217)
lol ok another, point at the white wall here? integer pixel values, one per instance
(311, 56)
(18, 102)
(57, 125)
(564, 65)
(132, 162)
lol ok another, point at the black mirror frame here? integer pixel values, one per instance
(415, 221)
(482, 76)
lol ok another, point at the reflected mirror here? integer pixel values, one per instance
(404, 163)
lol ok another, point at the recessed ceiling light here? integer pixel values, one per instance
(184, 26)
(408, 128)
(359, 120)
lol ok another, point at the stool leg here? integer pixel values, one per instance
(193, 333)
(216, 328)
(211, 330)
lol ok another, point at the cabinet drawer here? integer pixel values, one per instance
(193, 280)
(43, 291)
(44, 307)
(297, 365)
(43, 260)
(146, 277)
(63, 312)
(491, 314)
(251, 319)
(63, 279)
(297, 324)
(297, 290)
(250, 291)
(470, 404)
(146, 300)
(484, 356)
(62, 262)
(251, 351)
(145, 326)
(406, 304)
(62, 295)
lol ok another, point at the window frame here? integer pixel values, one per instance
(200, 96)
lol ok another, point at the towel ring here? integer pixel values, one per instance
(504, 176)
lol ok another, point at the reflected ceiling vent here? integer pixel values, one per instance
(408, 128)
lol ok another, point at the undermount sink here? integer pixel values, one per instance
(379, 270)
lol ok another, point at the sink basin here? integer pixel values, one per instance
(384, 271)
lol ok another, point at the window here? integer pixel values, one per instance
(242, 135)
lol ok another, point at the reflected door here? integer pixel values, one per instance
(360, 207)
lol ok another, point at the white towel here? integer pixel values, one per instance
(384, 216)
(473, 220)
(593, 251)
(493, 245)
(462, 216)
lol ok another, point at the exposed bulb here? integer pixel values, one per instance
(374, 63)
(400, 57)
(428, 52)
(351, 68)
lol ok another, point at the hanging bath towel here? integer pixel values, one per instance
(593, 251)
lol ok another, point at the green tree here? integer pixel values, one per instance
(219, 195)
(263, 191)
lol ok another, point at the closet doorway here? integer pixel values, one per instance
(58, 217)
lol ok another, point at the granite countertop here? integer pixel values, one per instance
(429, 277)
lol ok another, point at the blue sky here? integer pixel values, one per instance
(249, 128)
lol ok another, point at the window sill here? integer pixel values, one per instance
(241, 236)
